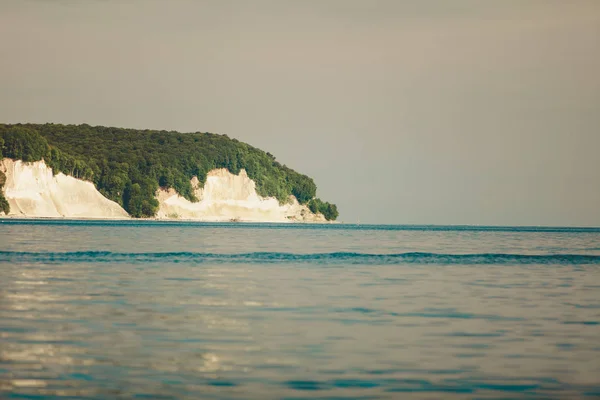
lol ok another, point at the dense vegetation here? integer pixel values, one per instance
(128, 165)
(327, 209)
(4, 206)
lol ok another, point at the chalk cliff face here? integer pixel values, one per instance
(227, 197)
(33, 191)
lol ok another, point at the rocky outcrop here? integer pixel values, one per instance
(33, 191)
(229, 197)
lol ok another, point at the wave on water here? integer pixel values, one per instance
(314, 258)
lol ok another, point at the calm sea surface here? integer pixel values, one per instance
(155, 310)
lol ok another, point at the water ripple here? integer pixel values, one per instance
(176, 311)
(320, 258)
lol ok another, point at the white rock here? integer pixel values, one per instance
(32, 191)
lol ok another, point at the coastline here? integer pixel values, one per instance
(34, 192)
(211, 221)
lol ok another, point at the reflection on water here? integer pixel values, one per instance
(166, 329)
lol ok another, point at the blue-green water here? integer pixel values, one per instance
(155, 310)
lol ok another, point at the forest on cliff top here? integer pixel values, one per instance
(129, 165)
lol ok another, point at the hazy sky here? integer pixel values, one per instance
(421, 111)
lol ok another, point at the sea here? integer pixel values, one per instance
(185, 310)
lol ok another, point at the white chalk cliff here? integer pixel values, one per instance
(33, 191)
(227, 197)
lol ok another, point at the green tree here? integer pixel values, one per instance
(24, 144)
(4, 206)
(329, 211)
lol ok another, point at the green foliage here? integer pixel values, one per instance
(128, 166)
(303, 189)
(23, 144)
(329, 211)
(4, 206)
(67, 164)
(139, 200)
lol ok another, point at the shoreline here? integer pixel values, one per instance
(33, 191)
(212, 221)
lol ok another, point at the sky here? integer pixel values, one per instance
(404, 112)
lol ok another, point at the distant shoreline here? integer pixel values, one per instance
(215, 221)
(340, 224)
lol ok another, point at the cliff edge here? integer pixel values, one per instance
(229, 197)
(32, 190)
(149, 174)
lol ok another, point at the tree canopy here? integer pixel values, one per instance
(128, 165)
(4, 206)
